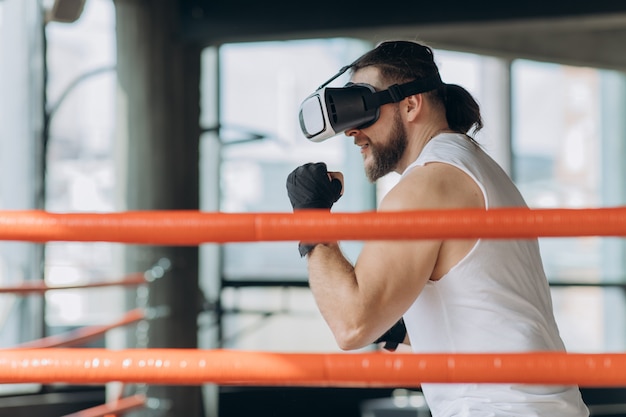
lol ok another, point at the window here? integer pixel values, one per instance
(261, 143)
(80, 163)
(262, 101)
(559, 150)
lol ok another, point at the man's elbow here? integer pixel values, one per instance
(352, 339)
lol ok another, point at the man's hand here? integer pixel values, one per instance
(311, 186)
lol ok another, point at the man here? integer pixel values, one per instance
(458, 295)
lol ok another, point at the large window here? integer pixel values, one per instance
(260, 103)
(264, 294)
(264, 100)
(560, 154)
(555, 154)
(80, 175)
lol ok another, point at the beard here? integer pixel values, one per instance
(385, 157)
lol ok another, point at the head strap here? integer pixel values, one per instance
(398, 92)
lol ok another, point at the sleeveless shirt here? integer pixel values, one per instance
(496, 299)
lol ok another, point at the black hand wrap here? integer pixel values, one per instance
(310, 187)
(394, 336)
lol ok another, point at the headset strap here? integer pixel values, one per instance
(398, 92)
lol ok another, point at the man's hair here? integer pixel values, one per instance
(403, 61)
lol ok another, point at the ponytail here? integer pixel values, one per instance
(462, 110)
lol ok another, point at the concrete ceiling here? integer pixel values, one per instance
(596, 41)
(571, 32)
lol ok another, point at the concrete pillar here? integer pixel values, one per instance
(613, 105)
(210, 324)
(158, 125)
(496, 109)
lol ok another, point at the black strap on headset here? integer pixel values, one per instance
(398, 92)
(331, 79)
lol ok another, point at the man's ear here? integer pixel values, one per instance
(414, 105)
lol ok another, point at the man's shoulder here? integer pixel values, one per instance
(430, 186)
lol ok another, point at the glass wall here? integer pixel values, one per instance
(560, 143)
(559, 149)
(21, 79)
(262, 143)
(556, 148)
(80, 174)
(265, 298)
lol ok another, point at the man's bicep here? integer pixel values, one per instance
(393, 273)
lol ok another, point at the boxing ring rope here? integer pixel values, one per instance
(40, 287)
(187, 366)
(89, 333)
(252, 368)
(183, 227)
(84, 334)
(121, 405)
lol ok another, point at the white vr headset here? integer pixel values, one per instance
(330, 111)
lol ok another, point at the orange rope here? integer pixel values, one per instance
(184, 227)
(83, 335)
(39, 286)
(121, 405)
(226, 367)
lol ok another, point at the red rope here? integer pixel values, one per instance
(193, 227)
(29, 287)
(118, 406)
(231, 367)
(84, 334)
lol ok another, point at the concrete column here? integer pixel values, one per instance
(613, 105)
(210, 332)
(158, 124)
(496, 109)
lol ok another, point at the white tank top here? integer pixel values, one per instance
(496, 299)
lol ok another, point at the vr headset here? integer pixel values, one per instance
(330, 111)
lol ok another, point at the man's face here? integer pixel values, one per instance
(386, 153)
(382, 144)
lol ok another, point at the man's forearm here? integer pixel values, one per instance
(334, 285)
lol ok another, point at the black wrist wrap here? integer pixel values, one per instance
(305, 248)
(394, 336)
